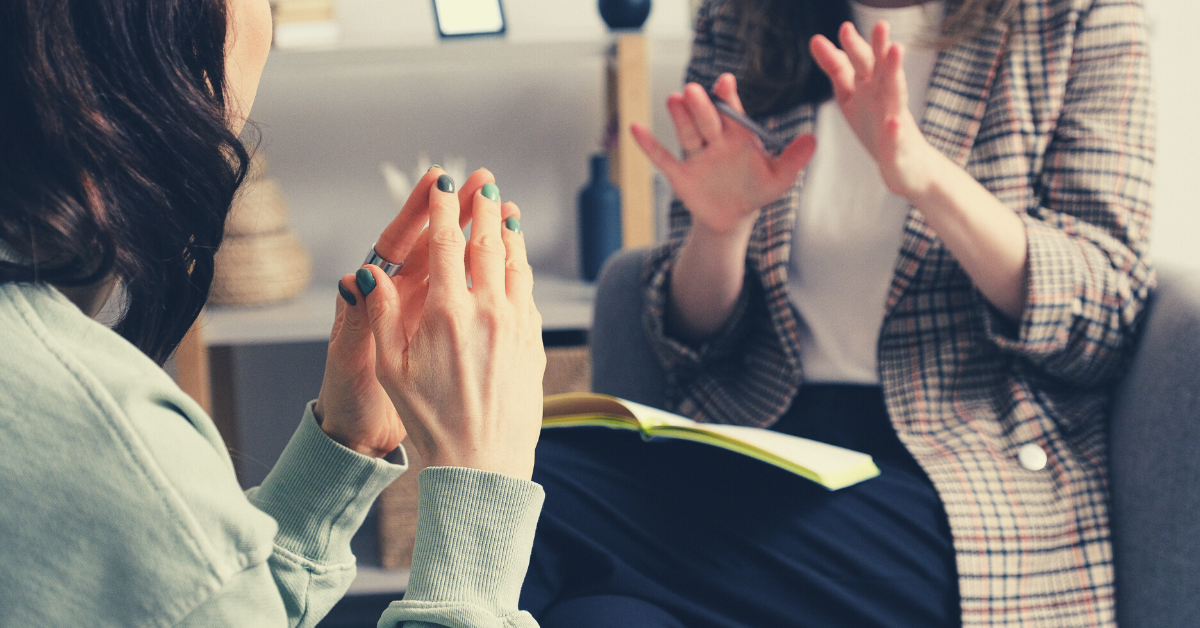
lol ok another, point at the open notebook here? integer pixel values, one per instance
(827, 465)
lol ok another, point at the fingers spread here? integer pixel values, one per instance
(859, 52)
(518, 276)
(487, 250)
(447, 246)
(835, 64)
(726, 89)
(467, 190)
(892, 67)
(396, 241)
(685, 125)
(880, 39)
(659, 156)
(708, 121)
(794, 158)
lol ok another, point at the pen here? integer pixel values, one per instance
(768, 138)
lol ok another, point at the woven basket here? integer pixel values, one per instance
(258, 208)
(259, 269)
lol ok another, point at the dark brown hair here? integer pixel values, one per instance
(779, 71)
(117, 158)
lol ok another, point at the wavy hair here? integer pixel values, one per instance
(117, 156)
(780, 73)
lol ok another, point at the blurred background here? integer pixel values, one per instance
(382, 86)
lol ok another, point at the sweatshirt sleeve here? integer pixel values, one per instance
(475, 533)
(319, 493)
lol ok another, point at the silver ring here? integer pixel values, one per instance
(376, 259)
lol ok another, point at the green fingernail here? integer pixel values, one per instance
(347, 295)
(445, 183)
(491, 191)
(366, 280)
(432, 167)
(513, 224)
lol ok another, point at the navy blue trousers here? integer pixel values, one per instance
(671, 533)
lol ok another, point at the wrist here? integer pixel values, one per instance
(921, 171)
(730, 242)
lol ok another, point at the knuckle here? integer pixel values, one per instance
(487, 244)
(446, 237)
(519, 267)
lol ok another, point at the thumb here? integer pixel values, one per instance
(382, 302)
(351, 329)
(794, 158)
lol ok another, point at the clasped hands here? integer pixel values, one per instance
(727, 177)
(457, 368)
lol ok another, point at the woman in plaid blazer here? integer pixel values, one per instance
(1015, 300)
(1016, 292)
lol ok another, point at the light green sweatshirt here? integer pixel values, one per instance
(119, 505)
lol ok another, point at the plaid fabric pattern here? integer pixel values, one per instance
(1051, 111)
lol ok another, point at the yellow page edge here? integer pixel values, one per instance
(833, 481)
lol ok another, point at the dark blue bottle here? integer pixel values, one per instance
(599, 219)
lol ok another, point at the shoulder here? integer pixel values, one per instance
(103, 473)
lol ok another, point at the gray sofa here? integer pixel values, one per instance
(1154, 433)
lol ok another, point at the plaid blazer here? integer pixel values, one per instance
(1051, 111)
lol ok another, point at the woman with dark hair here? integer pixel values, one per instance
(119, 122)
(944, 268)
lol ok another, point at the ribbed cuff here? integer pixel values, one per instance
(475, 532)
(320, 491)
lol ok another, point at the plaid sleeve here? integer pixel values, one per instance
(681, 360)
(1087, 269)
(713, 49)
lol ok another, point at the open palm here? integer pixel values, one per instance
(726, 175)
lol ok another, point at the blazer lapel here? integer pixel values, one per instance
(771, 244)
(957, 98)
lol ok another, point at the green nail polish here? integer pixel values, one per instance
(513, 224)
(445, 183)
(366, 281)
(347, 295)
(491, 191)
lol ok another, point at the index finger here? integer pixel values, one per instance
(397, 239)
(447, 245)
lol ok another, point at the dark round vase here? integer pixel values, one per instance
(624, 13)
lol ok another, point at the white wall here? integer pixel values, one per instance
(529, 106)
(1175, 232)
(408, 23)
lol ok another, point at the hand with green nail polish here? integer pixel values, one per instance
(466, 373)
(352, 408)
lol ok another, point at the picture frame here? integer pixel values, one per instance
(469, 18)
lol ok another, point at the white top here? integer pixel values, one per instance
(848, 225)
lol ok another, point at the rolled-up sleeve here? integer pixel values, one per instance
(1088, 276)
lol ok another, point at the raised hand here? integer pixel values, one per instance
(725, 176)
(466, 372)
(870, 87)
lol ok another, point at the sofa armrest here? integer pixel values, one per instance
(623, 364)
(1155, 463)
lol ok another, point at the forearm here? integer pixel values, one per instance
(985, 236)
(707, 279)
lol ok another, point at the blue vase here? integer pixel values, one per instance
(624, 13)
(599, 219)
